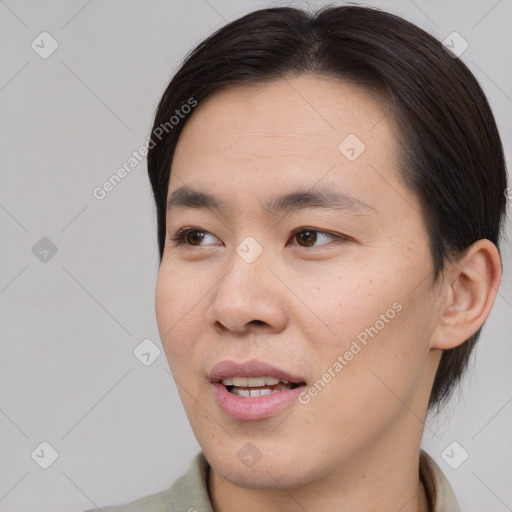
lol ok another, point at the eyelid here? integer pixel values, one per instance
(179, 237)
(336, 236)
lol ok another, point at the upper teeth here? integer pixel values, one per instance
(252, 381)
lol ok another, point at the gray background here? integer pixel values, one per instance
(68, 375)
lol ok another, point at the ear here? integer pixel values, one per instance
(470, 287)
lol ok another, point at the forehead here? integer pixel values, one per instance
(301, 130)
(295, 114)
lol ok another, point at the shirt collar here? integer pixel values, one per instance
(440, 495)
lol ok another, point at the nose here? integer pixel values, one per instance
(247, 300)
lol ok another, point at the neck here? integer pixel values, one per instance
(386, 484)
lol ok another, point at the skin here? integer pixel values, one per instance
(302, 302)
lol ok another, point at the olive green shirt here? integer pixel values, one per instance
(190, 492)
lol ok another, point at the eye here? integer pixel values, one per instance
(190, 236)
(307, 237)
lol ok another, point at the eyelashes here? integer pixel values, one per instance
(181, 237)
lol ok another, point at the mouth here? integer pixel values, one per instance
(253, 390)
(253, 378)
(250, 387)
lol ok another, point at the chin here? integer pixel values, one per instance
(255, 480)
(263, 478)
(275, 472)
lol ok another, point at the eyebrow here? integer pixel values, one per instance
(186, 197)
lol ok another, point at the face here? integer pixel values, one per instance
(330, 289)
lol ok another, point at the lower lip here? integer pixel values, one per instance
(256, 408)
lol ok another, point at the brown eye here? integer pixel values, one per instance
(189, 236)
(306, 238)
(310, 237)
(194, 237)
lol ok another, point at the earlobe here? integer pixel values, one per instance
(471, 286)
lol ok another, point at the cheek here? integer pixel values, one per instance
(384, 361)
(344, 303)
(180, 293)
(372, 315)
(177, 305)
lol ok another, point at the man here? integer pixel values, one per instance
(329, 210)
